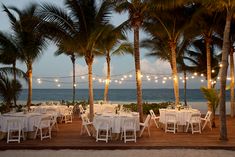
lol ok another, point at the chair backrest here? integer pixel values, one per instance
(14, 124)
(195, 117)
(129, 123)
(103, 123)
(45, 122)
(81, 109)
(208, 115)
(146, 122)
(85, 119)
(54, 118)
(152, 114)
(169, 116)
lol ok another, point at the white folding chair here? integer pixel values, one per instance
(103, 130)
(85, 124)
(54, 123)
(44, 126)
(195, 123)
(67, 115)
(129, 126)
(154, 118)
(14, 130)
(170, 122)
(207, 120)
(81, 109)
(145, 125)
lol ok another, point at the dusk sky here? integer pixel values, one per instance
(54, 67)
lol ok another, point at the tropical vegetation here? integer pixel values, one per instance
(187, 34)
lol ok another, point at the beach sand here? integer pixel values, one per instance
(118, 153)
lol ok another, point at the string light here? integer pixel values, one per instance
(148, 77)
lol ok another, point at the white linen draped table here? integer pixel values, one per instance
(27, 120)
(117, 120)
(101, 108)
(181, 115)
(59, 109)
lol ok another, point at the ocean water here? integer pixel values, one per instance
(116, 95)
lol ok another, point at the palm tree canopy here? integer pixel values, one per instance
(26, 26)
(219, 5)
(9, 88)
(82, 26)
(9, 51)
(196, 57)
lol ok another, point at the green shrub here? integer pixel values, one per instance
(147, 106)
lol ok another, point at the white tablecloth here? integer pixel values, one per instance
(27, 120)
(98, 108)
(181, 115)
(59, 109)
(117, 120)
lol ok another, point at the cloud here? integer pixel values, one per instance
(157, 67)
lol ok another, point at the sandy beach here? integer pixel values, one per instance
(119, 153)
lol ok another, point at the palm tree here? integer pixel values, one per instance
(207, 24)
(232, 81)
(137, 12)
(9, 90)
(170, 29)
(197, 59)
(85, 23)
(232, 40)
(29, 38)
(113, 43)
(9, 52)
(228, 6)
(66, 49)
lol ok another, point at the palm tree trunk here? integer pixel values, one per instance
(29, 74)
(208, 66)
(185, 88)
(138, 73)
(14, 77)
(89, 62)
(232, 81)
(223, 77)
(107, 78)
(74, 81)
(174, 72)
